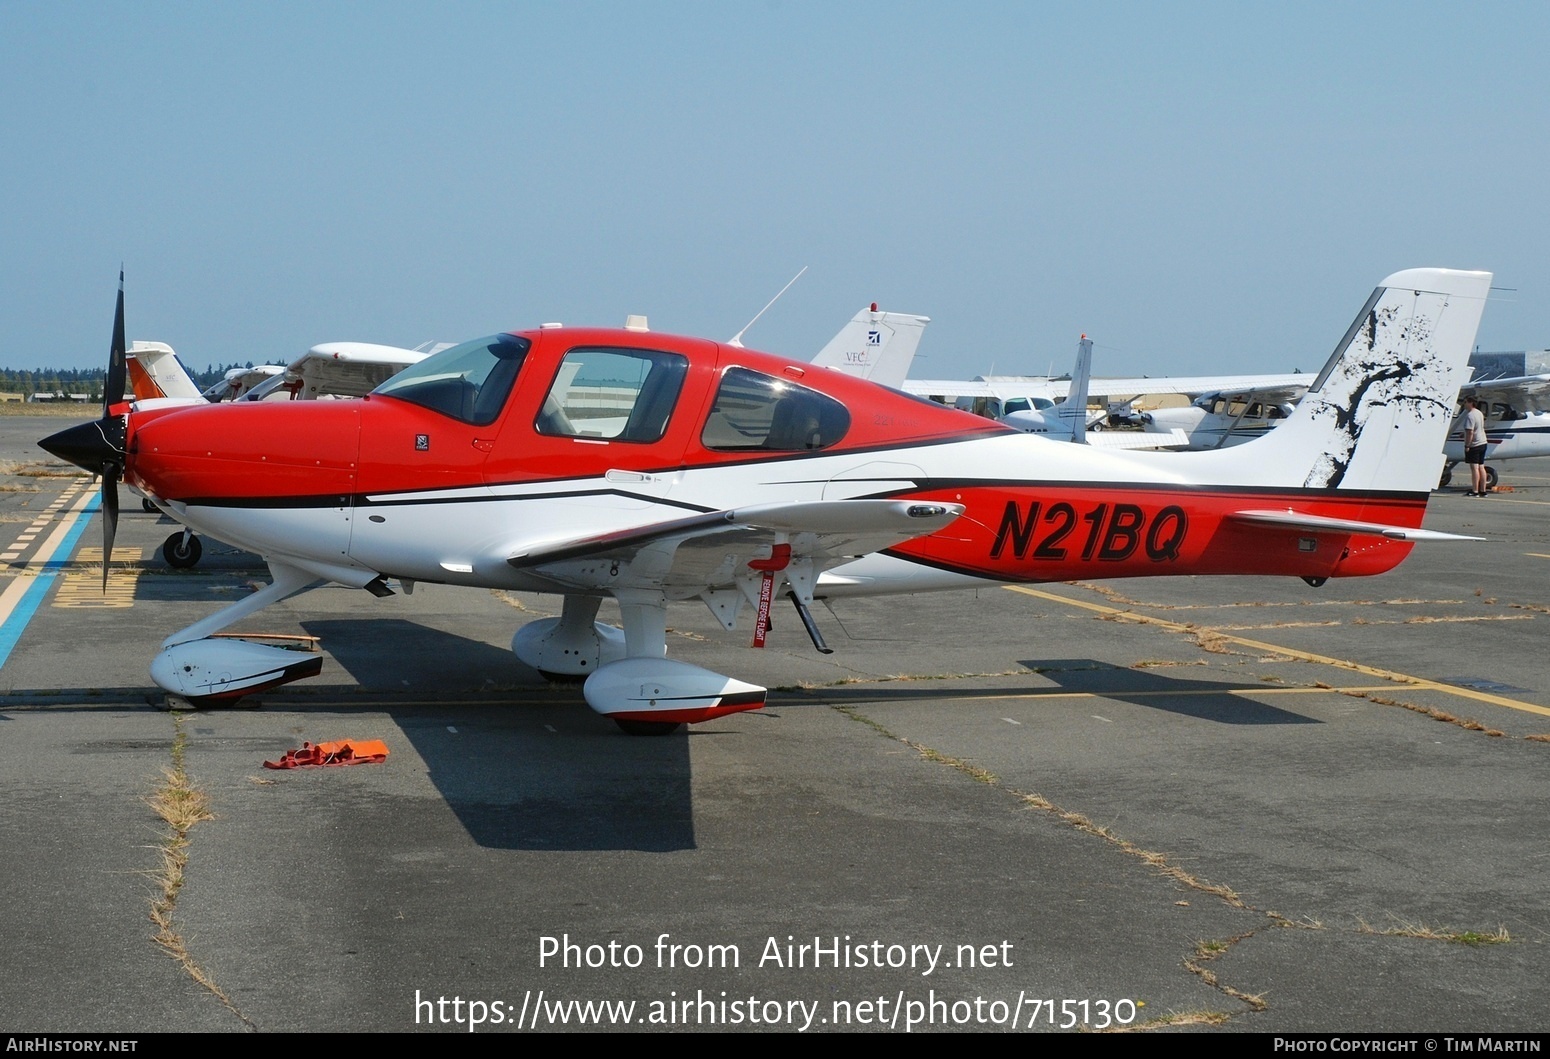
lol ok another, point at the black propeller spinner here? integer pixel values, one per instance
(98, 447)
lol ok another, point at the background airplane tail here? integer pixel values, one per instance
(1073, 411)
(875, 345)
(155, 372)
(1376, 416)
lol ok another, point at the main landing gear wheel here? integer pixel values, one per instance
(648, 727)
(181, 553)
(148, 507)
(1490, 477)
(1447, 476)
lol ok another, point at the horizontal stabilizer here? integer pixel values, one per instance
(1318, 523)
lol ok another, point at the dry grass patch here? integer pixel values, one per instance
(1402, 929)
(1179, 1018)
(1205, 952)
(1469, 724)
(181, 805)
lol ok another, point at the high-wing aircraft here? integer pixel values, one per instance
(1023, 404)
(653, 468)
(1517, 425)
(1229, 415)
(995, 396)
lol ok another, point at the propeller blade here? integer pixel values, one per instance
(113, 389)
(110, 477)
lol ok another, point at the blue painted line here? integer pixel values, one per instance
(17, 623)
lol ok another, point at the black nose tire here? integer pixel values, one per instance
(181, 554)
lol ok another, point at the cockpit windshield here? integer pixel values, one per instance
(469, 382)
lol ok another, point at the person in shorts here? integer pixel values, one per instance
(1474, 446)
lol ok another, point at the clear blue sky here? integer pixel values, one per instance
(1201, 187)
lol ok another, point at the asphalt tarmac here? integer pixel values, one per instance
(1215, 804)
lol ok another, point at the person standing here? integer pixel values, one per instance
(1474, 445)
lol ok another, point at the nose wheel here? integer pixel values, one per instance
(648, 728)
(182, 550)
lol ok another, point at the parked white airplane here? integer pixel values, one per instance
(1517, 424)
(1229, 416)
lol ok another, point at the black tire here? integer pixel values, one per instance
(180, 555)
(1447, 476)
(148, 507)
(564, 678)
(648, 728)
(1490, 477)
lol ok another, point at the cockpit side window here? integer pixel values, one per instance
(756, 412)
(469, 382)
(613, 394)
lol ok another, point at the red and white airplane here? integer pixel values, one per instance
(655, 468)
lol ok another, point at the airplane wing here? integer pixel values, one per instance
(239, 381)
(703, 552)
(1261, 387)
(1051, 388)
(339, 369)
(1177, 438)
(1508, 391)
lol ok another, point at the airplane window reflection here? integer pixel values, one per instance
(469, 382)
(613, 394)
(755, 411)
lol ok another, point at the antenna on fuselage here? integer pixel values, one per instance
(737, 339)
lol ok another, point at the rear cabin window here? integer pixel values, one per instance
(759, 413)
(613, 394)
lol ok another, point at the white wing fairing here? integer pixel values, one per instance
(652, 468)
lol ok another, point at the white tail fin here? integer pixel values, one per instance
(875, 345)
(1073, 411)
(155, 371)
(1376, 416)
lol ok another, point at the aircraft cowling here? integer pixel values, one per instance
(662, 690)
(233, 452)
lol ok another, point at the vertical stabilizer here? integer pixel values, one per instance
(1073, 412)
(155, 372)
(875, 345)
(1376, 416)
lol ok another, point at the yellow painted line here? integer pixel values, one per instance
(1538, 555)
(1158, 693)
(1306, 656)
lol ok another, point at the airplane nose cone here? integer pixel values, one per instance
(90, 446)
